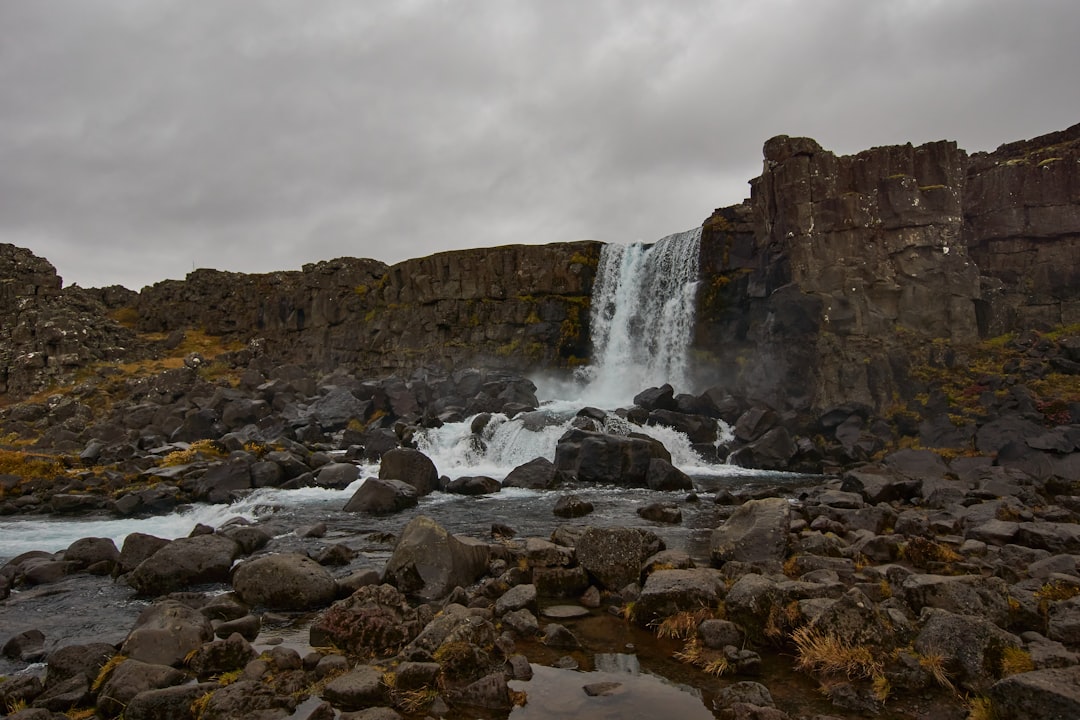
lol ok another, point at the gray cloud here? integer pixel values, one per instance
(142, 138)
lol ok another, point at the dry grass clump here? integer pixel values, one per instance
(827, 654)
(106, 671)
(200, 449)
(920, 552)
(683, 625)
(934, 663)
(1015, 660)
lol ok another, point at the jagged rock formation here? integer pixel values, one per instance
(823, 288)
(48, 332)
(838, 271)
(512, 306)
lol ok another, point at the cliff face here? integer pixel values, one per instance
(48, 332)
(516, 307)
(839, 271)
(823, 288)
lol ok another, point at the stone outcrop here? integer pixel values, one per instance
(822, 287)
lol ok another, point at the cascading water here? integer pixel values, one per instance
(643, 317)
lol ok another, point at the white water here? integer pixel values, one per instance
(642, 322)
(642, 318)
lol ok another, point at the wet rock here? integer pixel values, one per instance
(337, 554)
(473, 485)
(667, 592)
(609, 459)
(220, 656)
(224, 481)
(664, 476)
(661, 512)
(537, 474)
(1052, 694)
(28, 646)
(518, 667)
(602, 689)
(612, 555)
(429, 562)
(557, 636)
(987, 597)
(19, 689)
(757, 532)
(184, 562)
(572, 506)
(247, 627)
(382, 497)
(412, 467)
(375, 621)
(166, 632)
(337, 475)
(657, 398)
(130, 678)
(287, 581)
(361, 687)
(519, 597)
(71, 671)
(172, 703)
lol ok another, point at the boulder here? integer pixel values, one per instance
(382, 497)
(337, 475)
(172, 703)
(224, 481)
(661, 512)
(247, 698)
(772, 451)
(986, 597)
(429, 562)
(757, 532)
(184, 562)
(130, 678)
(375, 621)
(572, 506)
(473, 485)
(91, 551)
(971, 645)
(287, 581)
(612, 555)
(537, 474)
(166, 632)
(609, 459)
(412, 467)
(1051, 694)
(663, 476)
(667, 592)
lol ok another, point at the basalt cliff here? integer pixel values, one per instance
(827, 286)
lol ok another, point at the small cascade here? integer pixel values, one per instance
(643, 308)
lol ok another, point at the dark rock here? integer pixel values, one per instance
(337, 476)
(757, 532)
(224, 481)
(657, 398)
(772, 451)
(473, 485)
(663, 476)
(184, 562)
(661, 513)
(28, 646)
(173, 703)
(375, 621)
(288, 581)
(411, 467)
(537, 474)
(611, 459)
(89, 551)
(667, 592)
(429, 562)
(382, 497)
(138, 547)
(1051, 694)
(166, 632)
(972, 645)
(572, 506)
(557, 636)
(612, 555)
(130, 678)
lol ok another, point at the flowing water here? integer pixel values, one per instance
(643, 317)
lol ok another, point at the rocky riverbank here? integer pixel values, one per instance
(901, 587)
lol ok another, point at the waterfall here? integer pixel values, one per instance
(643, 317)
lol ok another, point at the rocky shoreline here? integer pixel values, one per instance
(902, 583)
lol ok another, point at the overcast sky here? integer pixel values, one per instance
(140, 139)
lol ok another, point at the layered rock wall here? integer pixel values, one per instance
(515, 307)
(840, 271)
(48, 332)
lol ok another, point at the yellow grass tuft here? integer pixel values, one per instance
(828, 654)
(106, 671)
